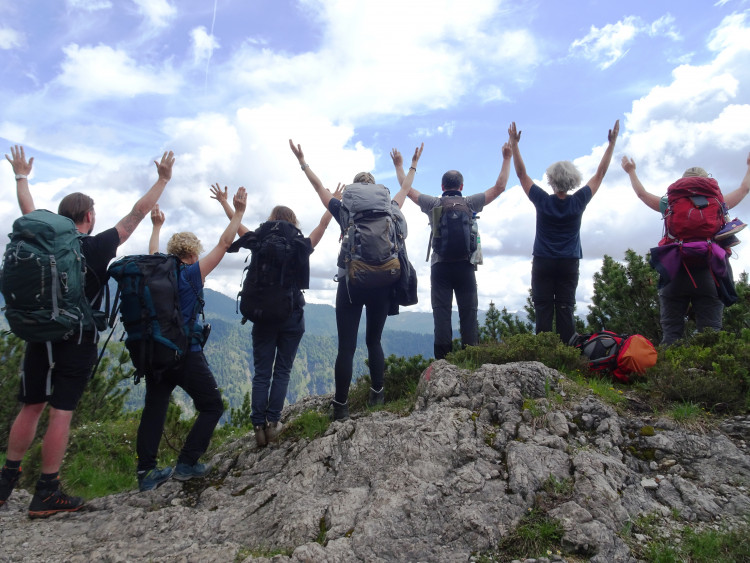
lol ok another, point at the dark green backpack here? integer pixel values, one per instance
(42, 279)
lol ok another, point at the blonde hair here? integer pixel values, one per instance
(364, 178)
(563, 176)
(283, 213)
(184, 245)
(695, 172)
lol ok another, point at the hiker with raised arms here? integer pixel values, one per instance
(73, 359)
(193, 374)
(453, 241)
(363, 282)
(557, 244)
(693, 270)
(273, 299)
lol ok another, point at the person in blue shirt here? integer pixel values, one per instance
(194, 374)
(557, 244)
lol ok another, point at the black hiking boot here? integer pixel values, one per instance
(340, 410)
(7, 483)
(376, 397)
(47, 503)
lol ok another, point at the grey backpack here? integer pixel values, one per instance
(370, 243)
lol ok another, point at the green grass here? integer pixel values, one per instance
(686, 411)
(310, 425)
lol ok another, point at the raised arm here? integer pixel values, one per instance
(324, 195)
(398, 164)
(628, 165)
(143, 206)
(221, 197)
(733, 198)
(212, 259)
(157, 220)
(318, 232)
(598, 177)
(514, 137)
(406, 188)
(22, 169)
(502, 179)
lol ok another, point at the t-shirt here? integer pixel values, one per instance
(98, 250)
(558, 222)
(427, 203)
(190, 288)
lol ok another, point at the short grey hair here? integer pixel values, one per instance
(563, 176)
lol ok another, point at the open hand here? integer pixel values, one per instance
(240, 200)
(396, 157)
(18, 162)
(417, 154)
(164, 168)
(297, 150)
(217, 194)
(628, 164)
(339, 193)
(507, 151)
(514, 136)
(612, 134)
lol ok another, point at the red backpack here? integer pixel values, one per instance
(695, 210)
(621, 355)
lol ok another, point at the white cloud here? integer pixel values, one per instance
(450, 53)
(10, 38)
(204, 45)
(609, 44)
(101, 72)
(89, 5)
(157, 12)
(446, 129)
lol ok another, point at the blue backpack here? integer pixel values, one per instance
(149, 305)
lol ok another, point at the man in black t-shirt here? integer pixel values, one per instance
(73, 361)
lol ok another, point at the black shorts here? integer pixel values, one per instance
(73, 363)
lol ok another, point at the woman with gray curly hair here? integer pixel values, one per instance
(557, 244)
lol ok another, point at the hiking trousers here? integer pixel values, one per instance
(553, 290)
(349, 303)
(274, 349)
(196, 379)
(676, 297)
(447, 278)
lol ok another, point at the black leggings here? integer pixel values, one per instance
(349, 303)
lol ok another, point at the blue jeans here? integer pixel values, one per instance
(274, 349)
(553, 290)
(195, 377)
(447, 278)
(676, 297)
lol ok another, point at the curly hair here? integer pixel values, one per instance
(563, 176)
(364, 178)
(283, 213)
(184, 245)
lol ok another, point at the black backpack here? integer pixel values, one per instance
(279, 269)
(149, 304)
(454, 233)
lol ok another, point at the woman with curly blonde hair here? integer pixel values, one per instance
(193, 374)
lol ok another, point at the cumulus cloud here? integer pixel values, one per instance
(10, 38)
(105, 72)
(156, 12)
(446, 129)
(609, 44)
(204, 45)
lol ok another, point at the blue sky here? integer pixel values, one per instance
(97, 89)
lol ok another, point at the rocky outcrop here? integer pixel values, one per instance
(453, 478)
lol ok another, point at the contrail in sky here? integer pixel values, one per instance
(211, 50)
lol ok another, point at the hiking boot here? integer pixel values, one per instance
(731, 228)
(185, 472)
(273, 429)
(729, 242)
(47, 503)
(153, 478)
(260, 435)
(7, 483)
(376, 397)
(340, 410)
